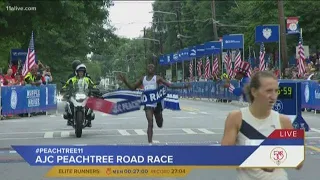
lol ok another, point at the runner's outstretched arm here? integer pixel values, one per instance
(130, 86)
(160, 80)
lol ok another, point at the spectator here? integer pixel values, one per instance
(19, 79)
(31, 77)
(8, 79)
(47, 75)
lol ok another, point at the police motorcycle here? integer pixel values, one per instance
(78, 98)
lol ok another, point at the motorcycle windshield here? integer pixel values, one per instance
(82, 86)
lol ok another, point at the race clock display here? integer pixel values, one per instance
(285, 92)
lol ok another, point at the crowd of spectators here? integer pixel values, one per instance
(38, 74)
(13, 76)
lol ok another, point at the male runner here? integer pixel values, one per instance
(151, 82)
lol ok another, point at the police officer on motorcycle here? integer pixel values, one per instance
(80, 72)
(74, 65)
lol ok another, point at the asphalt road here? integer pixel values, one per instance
(199, 122)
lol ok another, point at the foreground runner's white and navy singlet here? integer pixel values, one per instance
(252, 132)
(151, 85)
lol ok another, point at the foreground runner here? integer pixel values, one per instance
(257, 122)
(151, 82)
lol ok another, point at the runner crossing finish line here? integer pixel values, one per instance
(153, 99)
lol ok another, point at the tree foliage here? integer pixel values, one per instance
(234, 17)
(63, 30)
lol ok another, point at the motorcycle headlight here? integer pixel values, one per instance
(80, 97)
(59, 98)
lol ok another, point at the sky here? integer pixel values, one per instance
(129, 17)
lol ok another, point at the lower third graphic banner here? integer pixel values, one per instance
(283, 148)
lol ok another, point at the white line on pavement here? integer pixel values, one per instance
(180, 117)
(192, 113)
(124, 132)
(204, 113)
(206, 131)
(48, 135)
(65, 134)
(97, 130)
(140, 132)
(315, 130)
(189, 131)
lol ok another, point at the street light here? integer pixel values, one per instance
(179, 36)
(164, 12)
(150, 39)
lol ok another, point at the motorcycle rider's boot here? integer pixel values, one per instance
(65, 116)
(89, 124)
(69, 123)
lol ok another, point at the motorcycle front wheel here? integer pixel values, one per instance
(79, 122)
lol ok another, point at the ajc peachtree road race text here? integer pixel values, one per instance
(95, 159)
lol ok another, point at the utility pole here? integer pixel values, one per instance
(214, 25)
(145, 47)
(180, 41)
(283, 36)
(154, 55)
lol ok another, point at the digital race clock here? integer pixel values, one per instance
(285, 92)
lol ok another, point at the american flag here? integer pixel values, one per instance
(207, 73)
(250, 69)
(231, 88)
(301, 67)
(199, 67)
(237, 59)
(215, 67)
(262, 65)
(191, 69)
(249, 73)
(31, 57)
(227, 61)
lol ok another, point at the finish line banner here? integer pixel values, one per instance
(133, 100)
(282, 148)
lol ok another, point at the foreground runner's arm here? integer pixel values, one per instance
(160, 80)
(231, 129)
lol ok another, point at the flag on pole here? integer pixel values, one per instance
(302, 58)
(215, 67)
(207, 74)
(199, 66)
(262, 65)
(227, 61)
(237, 59)
(31, 57)
(231, 88)
(191, 69)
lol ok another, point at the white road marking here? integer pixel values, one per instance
(206, 131)
(181, 117)
(189, 131)
(155, 141)
(315, 130)
(92, 129)
(123, 132)
(65, 134)
(192, 113)
(204, 113)
(48, 135)
(79, 144)
(140, 132)
(125, 118)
